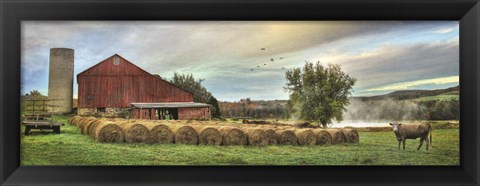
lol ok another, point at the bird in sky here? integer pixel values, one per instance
(263, 49)
(264, 64)
(251, 69)
(271, 59)
(258, 66)
(283, 67)
(280, 57)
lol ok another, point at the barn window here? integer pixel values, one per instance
(90, 97)
(116, 61)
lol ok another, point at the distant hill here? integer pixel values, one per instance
(416, 94)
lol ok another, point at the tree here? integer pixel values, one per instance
(318, 93)
(200, 93)
(35, 93)
(216, 108)
(156, 75)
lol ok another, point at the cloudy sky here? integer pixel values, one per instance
(382, 56)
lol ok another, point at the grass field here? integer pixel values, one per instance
(442, 97)
(375, 148)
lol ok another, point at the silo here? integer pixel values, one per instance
(60, 82)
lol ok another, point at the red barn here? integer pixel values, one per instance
(116, 87)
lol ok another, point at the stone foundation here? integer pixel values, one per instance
(86, 111)
(105, 112)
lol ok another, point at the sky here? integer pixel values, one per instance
(384, 56)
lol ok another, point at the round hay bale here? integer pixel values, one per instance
(82, 121)
(352, 135)
(88, 122)
(232, 136)
(108, 132)
(78, 120)
(337, 136)
(160, 133)
(208, 135)
(306, 137)
(70, 120)
(286, 137)
(256, 137)
(184, 134)
(272, 137)
(91, 129)
(134, 132)
(88, 130)
(323, 137)
(117, 120)
(75, 120)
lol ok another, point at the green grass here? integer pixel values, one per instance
(452, 93)
(375, 148)
(442, 97)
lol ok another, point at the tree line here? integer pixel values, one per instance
(259, 109)
(371, 110)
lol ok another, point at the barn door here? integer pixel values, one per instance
(115, 96)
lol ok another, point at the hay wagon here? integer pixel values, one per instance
(42, 118)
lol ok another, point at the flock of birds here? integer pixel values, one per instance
(265, 64)
(272, 60)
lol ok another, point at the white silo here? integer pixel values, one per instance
(60, 81)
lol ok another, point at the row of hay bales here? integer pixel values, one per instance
(207, 133)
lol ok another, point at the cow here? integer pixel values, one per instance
(414, 131)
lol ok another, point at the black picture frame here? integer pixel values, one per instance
(13, 12)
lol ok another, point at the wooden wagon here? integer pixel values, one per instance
(41, 121)
(42, 118)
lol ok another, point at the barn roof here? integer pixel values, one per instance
(169, 105)
(105, 60)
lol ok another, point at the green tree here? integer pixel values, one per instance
(35, 93)
(318, 94)
(200, 93)
(156, 75)
(215, 107)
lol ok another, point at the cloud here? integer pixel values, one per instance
(444, 30)
(413, 84)
(224, 52)
(390, 63)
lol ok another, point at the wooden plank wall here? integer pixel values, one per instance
(194, 113)
(143, 113)
(106, 85)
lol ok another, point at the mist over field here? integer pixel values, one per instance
(439, 104)
(384, 110)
